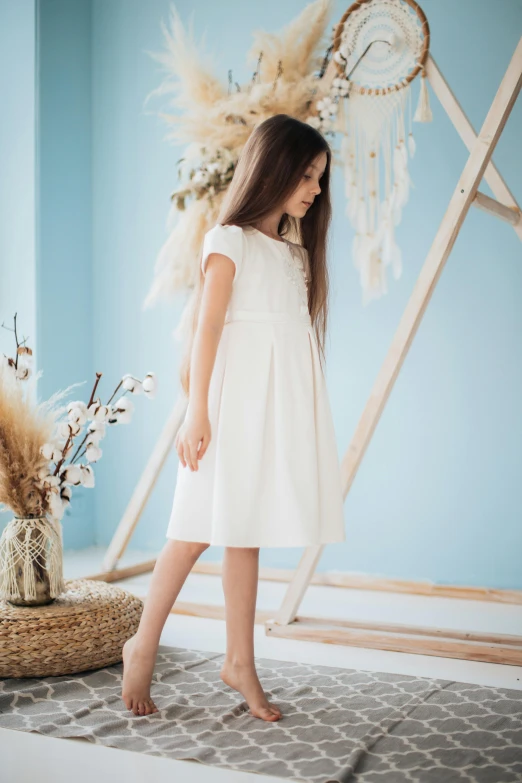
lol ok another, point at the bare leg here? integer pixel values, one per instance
(240, 578)
(139, 652)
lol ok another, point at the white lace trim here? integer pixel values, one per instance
(295, 270)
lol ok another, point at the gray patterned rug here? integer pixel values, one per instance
(339, 725)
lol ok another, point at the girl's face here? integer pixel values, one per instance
(302, 198)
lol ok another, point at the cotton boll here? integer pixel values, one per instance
(47, 450)
(66, 494)
(26, 352)
(50, 481)
(72, 475)
(87, 476)
(94, 438)
(67, 428)
(150, 385)
(97, 431)
(77, 412)
(43, 472)
(56, 506)
(93, 452)
(120, 417)
(23, 373)
(58, 447)
(124, 404)
(132, 384)
(99, 412)
(77, 404)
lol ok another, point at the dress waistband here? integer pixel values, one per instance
(273, 316)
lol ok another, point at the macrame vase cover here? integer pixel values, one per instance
(31, 551)
(379, 47)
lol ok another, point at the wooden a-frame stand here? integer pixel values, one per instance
(286, 623)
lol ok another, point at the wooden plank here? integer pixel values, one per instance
(214, 612)
(495, 208)
(438, 254)
(128, 572)
(341, 580)
(405, 643)
(145, 486)
(368, 582)
(468, 135)
(411, 630)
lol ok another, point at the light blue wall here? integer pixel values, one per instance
(17, 176)
(438, 494)
(65, 307)
(45, 202)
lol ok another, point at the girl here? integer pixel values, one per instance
(258, 462)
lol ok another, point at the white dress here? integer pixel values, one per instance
(270, 476)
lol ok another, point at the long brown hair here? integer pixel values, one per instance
(270, 168)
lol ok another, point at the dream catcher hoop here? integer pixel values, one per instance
(379, 47)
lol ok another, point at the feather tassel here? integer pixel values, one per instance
(423, 112)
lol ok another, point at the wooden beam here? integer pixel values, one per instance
(298, 585)
(495, 208)
(468, 135)
(438, 254)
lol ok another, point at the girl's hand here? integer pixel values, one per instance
(192, 439)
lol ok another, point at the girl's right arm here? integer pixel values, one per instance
(194, 435)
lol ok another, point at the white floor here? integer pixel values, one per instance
(26, 756)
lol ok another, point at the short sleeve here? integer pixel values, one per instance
(227, 240)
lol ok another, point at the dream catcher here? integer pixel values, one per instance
(379, 47)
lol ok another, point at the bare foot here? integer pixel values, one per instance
(243, 678)
(137, 675)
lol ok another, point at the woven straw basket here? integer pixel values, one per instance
(84, 628)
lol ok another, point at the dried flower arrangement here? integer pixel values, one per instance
(40, 464)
